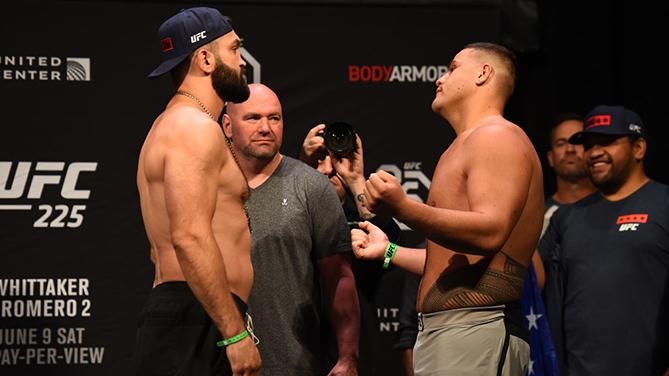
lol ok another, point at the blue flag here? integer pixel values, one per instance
(543, 361)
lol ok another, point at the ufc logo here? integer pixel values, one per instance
(628, 227)
(412, 165)
(44, 173)
(635, 128)
(195, 38)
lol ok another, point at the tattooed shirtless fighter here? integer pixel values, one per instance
(482, 222)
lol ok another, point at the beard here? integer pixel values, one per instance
(261, 153)
(610, 181)
(571, 173)
(228, 84)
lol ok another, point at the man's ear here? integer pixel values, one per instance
(227, 126)
(639, 148)
(485, 73)
(549, 157)
(205, 60)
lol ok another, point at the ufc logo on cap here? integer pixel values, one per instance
(195, 38)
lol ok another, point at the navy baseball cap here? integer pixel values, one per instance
(610, 120)
(187, 31)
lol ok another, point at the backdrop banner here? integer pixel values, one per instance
(76, 106)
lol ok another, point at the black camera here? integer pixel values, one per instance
(339, 138)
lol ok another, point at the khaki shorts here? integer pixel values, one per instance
(470, 341)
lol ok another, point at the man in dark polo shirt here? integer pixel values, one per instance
(613, 249)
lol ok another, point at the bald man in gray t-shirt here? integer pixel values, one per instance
(300, 248)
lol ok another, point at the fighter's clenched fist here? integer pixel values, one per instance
(384, 194)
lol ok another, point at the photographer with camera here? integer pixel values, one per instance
(335, 150)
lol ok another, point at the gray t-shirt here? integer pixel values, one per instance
(296, 219)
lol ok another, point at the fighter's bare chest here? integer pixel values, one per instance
(232, 182)
(449, 182)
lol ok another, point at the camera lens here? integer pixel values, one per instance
(339, 137)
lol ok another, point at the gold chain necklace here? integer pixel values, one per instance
(191, 96)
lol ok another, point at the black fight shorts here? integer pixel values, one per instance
(176, 336)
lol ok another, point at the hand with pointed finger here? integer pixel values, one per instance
(369, 242)
(384, 194)
(313, 146)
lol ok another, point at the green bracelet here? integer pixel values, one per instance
(390, 253)
(231, 340)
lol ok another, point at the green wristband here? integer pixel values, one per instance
(231, 340)
(390, 253)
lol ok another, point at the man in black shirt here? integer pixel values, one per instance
(613, 250)
(346, 174)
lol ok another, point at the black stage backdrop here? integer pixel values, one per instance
(74, 260)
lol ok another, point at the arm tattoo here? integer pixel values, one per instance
(361, 197)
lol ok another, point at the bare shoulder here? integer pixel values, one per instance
(187, 128)
(501, 135)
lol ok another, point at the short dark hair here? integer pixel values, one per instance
(506, 56)
(559, 119)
